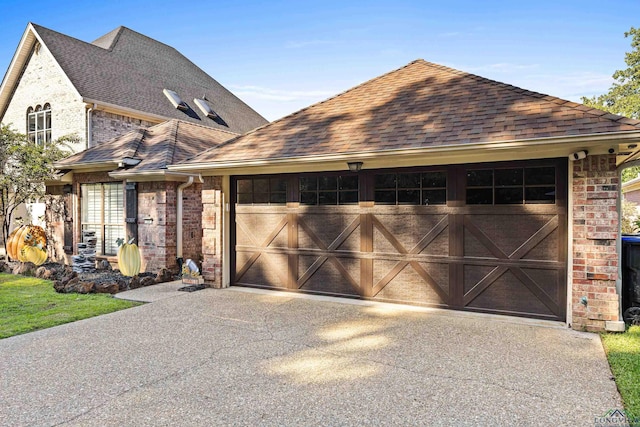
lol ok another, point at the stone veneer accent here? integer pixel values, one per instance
(212, 212)
(595, 233)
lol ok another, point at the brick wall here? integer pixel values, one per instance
(43, 82)
(595, 231)
(212, 211)
(152, 238)
(106, 126)
(158, 240)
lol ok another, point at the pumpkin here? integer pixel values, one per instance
(33, 254)
(129, 259)
(25, 235)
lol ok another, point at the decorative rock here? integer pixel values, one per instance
(84, 287)
(164, 275)
(44, 273)
(147, 281)
(134, 283)
(25, 268)
(85, 261)
(70, 286)
(123, 285)
(4, 267)
(104, 265)
(62, 285)
(106, 288)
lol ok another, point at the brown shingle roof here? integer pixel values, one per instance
(420, 105)
(130, 70)
(157, 147)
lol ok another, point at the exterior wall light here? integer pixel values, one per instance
(148, 221)
(354, 166)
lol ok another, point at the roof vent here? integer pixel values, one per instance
(175, 99)
(205, 108)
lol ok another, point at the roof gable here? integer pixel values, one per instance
(418, 106)
(127, 70)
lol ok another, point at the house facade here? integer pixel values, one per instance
(425, 185)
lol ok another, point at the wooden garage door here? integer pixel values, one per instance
(488, 237)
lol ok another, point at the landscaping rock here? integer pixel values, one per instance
(45, 273)
(134, 283)
(147, 281)
(62, 285)
(5, 268)
(84, 287)
(25, 268)
(164, 275)
(104, 265)
(106, 288)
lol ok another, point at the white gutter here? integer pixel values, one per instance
(566, 144)
(89, 126)
(179, 215)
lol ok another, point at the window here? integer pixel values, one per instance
(103, 212)
(262, 191)
(39, 124)
(329, 190)
(511, 186)
(426, 188)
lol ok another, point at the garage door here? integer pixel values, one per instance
(481, 237)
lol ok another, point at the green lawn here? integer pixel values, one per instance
(28, 304)
(623, 352)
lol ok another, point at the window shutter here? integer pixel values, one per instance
(131, 211)
(67, 193)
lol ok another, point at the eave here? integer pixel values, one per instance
(539, 148)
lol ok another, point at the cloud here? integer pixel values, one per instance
(279, 95)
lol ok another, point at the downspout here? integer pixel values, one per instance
(89, 126)
(179, 215)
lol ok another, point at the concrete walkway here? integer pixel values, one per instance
(231, 357)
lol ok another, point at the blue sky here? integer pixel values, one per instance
(280, 56)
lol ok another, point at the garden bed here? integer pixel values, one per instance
(105, 280)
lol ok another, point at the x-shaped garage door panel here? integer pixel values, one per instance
(425, 241)
(516, 256)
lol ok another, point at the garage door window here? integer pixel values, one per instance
(511, 186)
(329, 190)
(262, 191)
(427, 188)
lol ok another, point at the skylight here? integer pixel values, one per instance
(175, 99)
(205, 108)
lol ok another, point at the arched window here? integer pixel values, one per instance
(39, 124)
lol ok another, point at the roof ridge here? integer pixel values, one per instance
(142, 132)
(171, 154)
(549, 98)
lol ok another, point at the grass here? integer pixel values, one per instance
(28, 304)
(623, 352)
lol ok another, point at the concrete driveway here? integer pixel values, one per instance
(234, 357)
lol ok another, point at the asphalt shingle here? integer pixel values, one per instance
(420, 105)
(127, 69)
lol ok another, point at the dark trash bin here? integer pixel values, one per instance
(631, 279)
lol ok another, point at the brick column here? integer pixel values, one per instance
(212, 211)
(595, 231)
